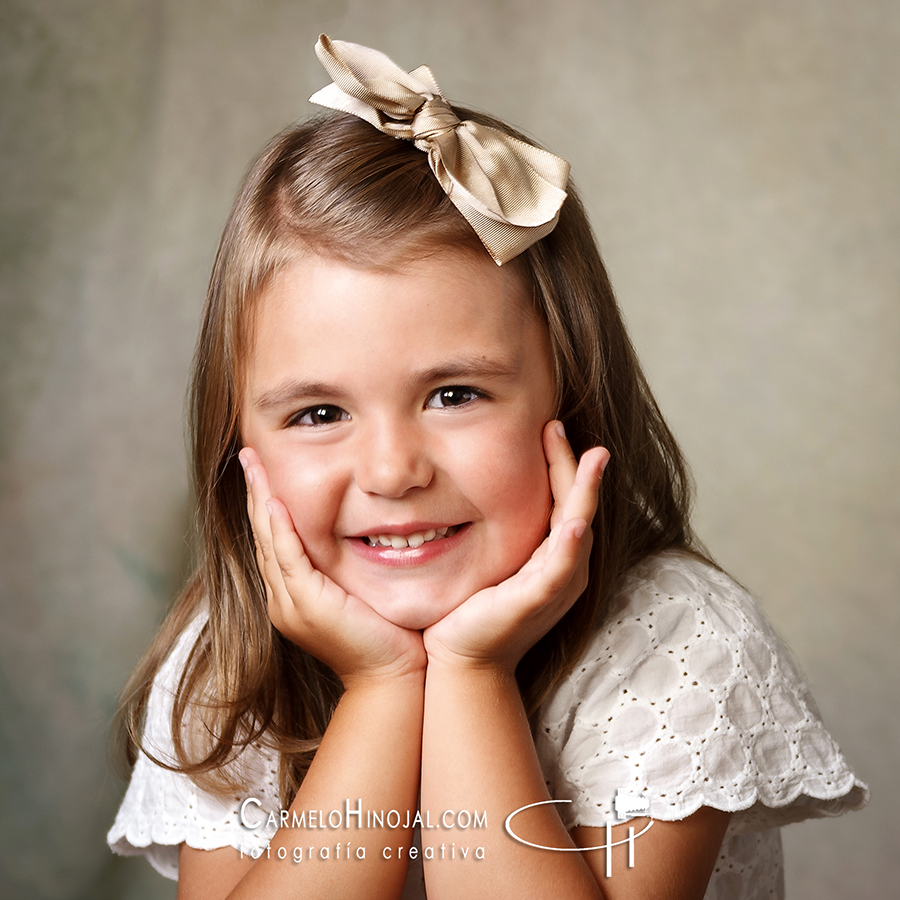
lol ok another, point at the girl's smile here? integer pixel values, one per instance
(399, 416)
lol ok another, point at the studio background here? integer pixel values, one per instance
(740, 164)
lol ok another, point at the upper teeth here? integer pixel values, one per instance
(401, 542)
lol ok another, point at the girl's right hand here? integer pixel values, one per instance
(309, 609)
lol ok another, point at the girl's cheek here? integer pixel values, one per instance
(525, 478)
(303, 488)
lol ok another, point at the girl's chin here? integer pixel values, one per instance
(413, 613)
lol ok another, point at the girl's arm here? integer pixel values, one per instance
(673, 860)
(478, 756)
(479, 761)
(478, 753)
(370, 753)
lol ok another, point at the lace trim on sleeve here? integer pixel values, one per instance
(687, 696)
(163, 809)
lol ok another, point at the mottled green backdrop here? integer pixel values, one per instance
(741, 163)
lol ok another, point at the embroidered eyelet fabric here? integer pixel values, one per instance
(687, 698)
(163, 809)
(684, 696)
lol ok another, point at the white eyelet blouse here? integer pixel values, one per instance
(685, 697)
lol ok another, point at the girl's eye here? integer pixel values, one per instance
(319, 415)
(455, 395)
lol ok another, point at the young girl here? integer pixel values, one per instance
(423, 646)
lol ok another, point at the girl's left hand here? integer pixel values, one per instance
(496, 626)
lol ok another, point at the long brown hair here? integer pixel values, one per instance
(338, 187)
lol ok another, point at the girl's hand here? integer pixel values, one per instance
(308, 608)
(496, 626)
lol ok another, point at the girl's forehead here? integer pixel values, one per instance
(324, 317)
(416, 294)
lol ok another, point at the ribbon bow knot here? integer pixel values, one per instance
(432, 119)
(509, 191)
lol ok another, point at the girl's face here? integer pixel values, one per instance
(399, 416)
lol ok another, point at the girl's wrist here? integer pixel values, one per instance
(405, 676)
(442, 658)
(454, 665)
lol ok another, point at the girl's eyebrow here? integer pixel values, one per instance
(468, 367)
(290, 392)
(464, 367)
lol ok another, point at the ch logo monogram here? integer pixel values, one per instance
(625, 804)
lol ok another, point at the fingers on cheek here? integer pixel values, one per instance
(557, 447)
(262, 543)
(577, 540)
(264, 570)
(597, 460)
(277, 618)
(552, 433)
(286, 545)
(565, 555)
(587, 475)
(253, 515)
(289, 618)
(581, 570)
(555, 434)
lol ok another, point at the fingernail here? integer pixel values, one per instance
(249, 474)
(269, 507)
(580, 529)
(560, 430)
(241, 459)
(604, 464)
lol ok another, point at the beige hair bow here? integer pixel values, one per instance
(509, 191)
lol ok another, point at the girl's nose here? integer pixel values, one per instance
(392, 460)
